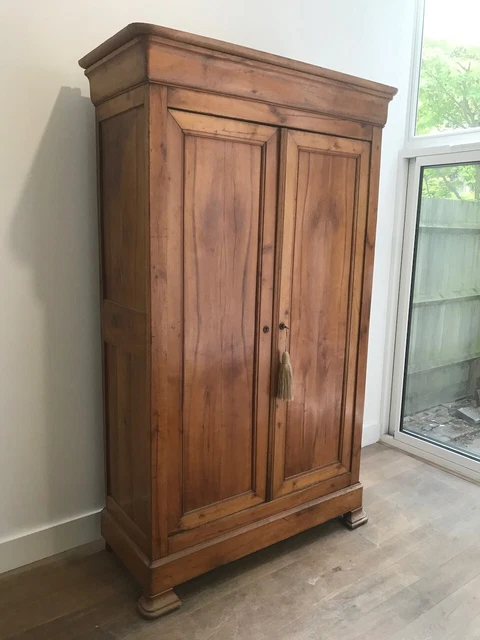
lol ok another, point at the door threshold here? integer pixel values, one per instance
(438, 461)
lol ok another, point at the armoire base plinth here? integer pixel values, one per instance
(151, 607)
(354, 519)
(164, 574)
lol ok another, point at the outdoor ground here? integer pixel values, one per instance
(442, 425)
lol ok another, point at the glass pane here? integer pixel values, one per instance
(449, 92)
(441, 398)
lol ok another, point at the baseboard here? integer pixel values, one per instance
(371, 434)
(62, 536)
(36, 545)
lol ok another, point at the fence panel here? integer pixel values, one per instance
(445, 325)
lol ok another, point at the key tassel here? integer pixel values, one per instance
(285, 378)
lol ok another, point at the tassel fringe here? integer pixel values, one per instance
(285, 378)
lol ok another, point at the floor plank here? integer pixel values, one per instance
(413, 572)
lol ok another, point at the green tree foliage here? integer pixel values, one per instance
(457, 181)
(449, 98)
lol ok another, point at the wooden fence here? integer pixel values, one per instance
(445, 325)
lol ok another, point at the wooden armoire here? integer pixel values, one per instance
(237, 198)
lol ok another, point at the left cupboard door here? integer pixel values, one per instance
(222, 193)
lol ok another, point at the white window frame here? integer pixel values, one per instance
(428, 140)
(418, 152)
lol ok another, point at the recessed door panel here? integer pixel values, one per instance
(321, 266)
(228, 223)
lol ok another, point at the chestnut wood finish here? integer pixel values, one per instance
(326, 188)
(355, 519)
(149, 53)
(238, 191)
(151, 607)
(228, 238)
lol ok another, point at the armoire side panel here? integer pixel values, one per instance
(128, 470)
(122, 212)
(123, 220)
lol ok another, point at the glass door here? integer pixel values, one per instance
(436, 394)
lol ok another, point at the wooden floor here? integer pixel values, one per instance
(413, 572)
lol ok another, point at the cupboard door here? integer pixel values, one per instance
(222, 211)
(325, 192)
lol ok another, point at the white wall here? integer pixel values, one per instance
(51, 469)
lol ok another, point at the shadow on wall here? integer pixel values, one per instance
(54, 233)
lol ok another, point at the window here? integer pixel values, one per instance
(442, 368)
(449, 86)
(434, 408)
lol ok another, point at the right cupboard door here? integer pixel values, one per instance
(321, 239)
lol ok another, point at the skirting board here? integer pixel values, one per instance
(49, 541)
(371, 434)
(63, 536)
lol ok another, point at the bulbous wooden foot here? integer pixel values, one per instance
(354, 519)
(152, 607)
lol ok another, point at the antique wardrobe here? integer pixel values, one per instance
(237, 198)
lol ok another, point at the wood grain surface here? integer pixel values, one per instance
(226, 355)
(324, 213)
(237, 192)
